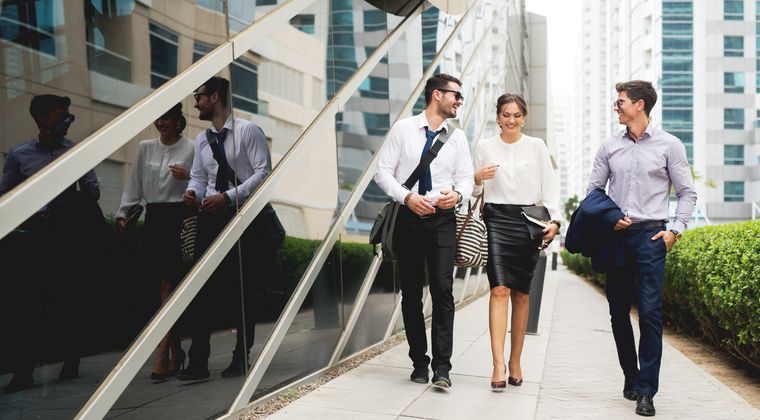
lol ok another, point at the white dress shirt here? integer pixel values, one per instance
(151, 179)
(247, 153)
(525, 174)
(450, 170)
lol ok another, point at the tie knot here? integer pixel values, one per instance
(431, 134)
(222, 135)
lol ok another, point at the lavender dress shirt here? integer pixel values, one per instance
(641, 173)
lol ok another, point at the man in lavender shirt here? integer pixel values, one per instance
(642, 162)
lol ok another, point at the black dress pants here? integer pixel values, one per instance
(422, 243)
(222, 292)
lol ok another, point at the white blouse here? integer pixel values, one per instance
(151, 179)
(525, 174)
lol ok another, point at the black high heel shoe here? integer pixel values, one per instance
(181, 356)
(499, 386)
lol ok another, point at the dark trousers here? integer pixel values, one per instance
(420, 243)
(644, 263)
(229, 293)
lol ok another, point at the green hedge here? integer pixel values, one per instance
(712, 286)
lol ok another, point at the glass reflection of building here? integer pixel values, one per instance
(324, 112)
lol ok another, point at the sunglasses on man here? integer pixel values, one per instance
(457, 94)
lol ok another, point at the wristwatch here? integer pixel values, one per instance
(677, 233)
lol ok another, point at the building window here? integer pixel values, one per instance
(304, 23)
(374, 87)
(200, 49)
(733, 9)
(215, 5)
(733, 82)
(733, 46)
(376, 124)
(374, 20)
(31, 23)
(266, 2)
(733, 191)
(245, 85)
(164, 45)
(733, 118)
(733, 154)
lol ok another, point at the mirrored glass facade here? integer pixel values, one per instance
(111, 311)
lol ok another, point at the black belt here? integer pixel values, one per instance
(438, 212)
(652, 224)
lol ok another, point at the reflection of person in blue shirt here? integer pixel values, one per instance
(51, 113)
(44, 291)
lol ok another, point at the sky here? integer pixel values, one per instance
(563, 25)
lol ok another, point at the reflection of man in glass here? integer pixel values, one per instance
(44, 283)
(426, 224)
(231, 160)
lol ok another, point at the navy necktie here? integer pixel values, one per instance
(224, 173)
(426, 179)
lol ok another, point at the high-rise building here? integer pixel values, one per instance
(324, 80)
(699, 57)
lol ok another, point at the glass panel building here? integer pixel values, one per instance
(99, 316)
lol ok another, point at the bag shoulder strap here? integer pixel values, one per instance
(211, 139)
(427, 159)
(470, 211)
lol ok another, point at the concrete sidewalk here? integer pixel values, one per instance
(570, 370)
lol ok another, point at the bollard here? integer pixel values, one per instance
(554, 261)
(536, 290)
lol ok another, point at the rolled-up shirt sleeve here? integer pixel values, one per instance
(600, 173)
(198, 175)
(463, 173)
(260, 160)
(549, 184)
(683, 182)
(133, 190)
(390, 155)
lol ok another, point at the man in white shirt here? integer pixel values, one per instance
(426, 223)
(231, 160)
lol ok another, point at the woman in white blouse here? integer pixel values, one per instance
(160, 176)
(513, 171)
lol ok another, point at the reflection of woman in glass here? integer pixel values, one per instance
(513, 170)
(160, 176)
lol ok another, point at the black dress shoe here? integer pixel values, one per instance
(420, 375)
(441, 379)
(70, 370)
(629, 393)
(235, 369)
(192, 374)
(645, 406)
(19, 383)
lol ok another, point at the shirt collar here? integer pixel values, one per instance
(648, 131)
(59, 144)
(422, 122)
(229, 125)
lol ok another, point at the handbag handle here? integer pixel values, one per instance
(470, 211)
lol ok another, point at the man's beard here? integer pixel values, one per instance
(206, 115)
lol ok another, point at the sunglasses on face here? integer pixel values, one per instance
(619, 104)
(457, 94)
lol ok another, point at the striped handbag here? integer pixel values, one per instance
(472, 238)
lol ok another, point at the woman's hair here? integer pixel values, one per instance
(175, 113)
(511, 97)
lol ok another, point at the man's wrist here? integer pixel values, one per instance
(407, 198)
(676, 233)
(226, 198)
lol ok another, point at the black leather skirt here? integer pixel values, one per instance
(512, 255)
